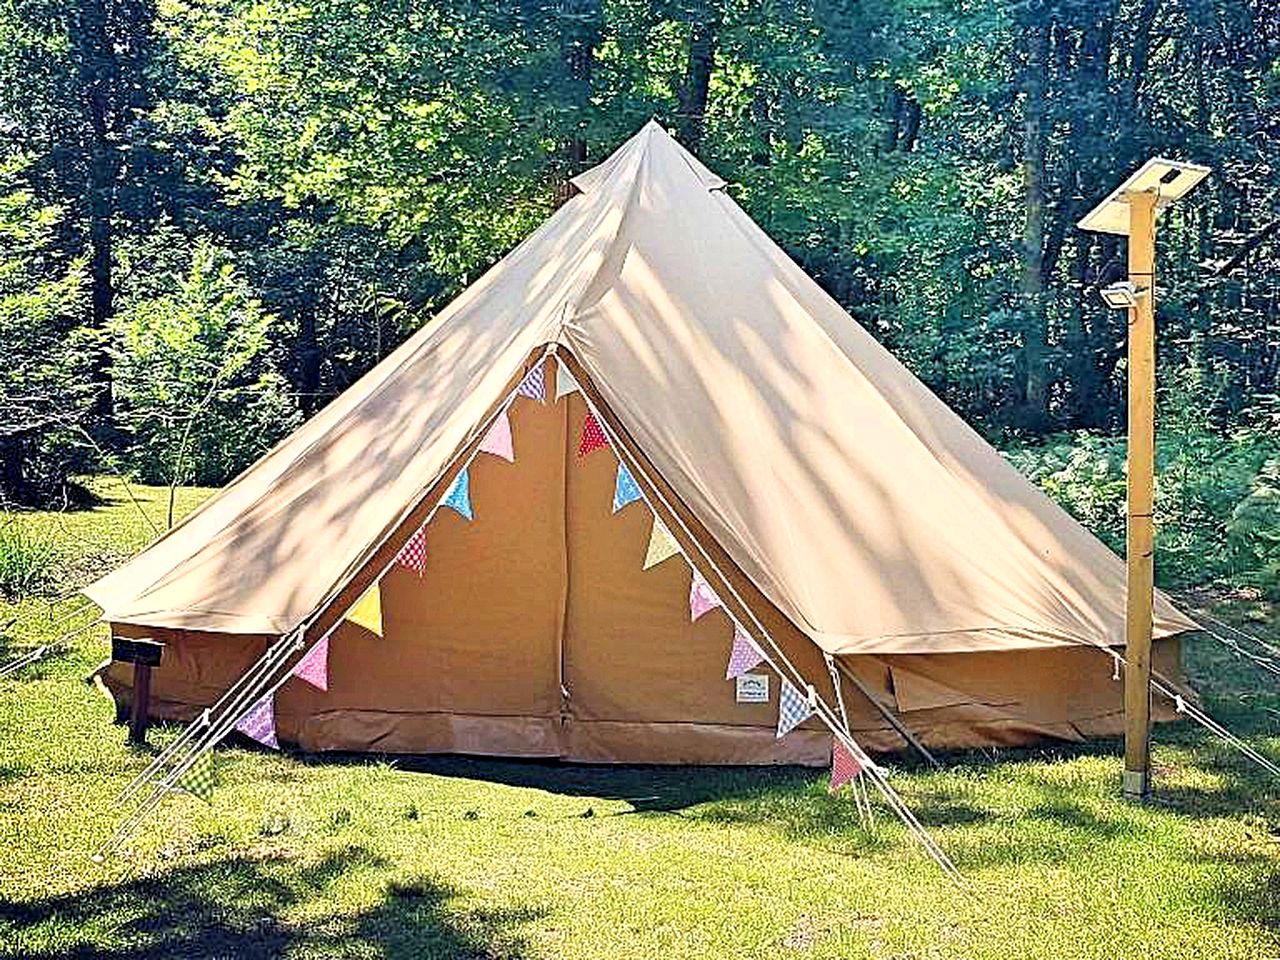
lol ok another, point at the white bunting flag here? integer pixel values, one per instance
(794, 708)
(566, 383)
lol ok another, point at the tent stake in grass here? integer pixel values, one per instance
(1131, 210)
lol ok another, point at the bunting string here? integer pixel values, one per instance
(783, 667)
(213, 724)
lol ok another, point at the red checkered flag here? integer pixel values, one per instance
(845, 767)
(414, 553)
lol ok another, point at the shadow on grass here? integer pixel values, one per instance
(647, 788)
(240, 907)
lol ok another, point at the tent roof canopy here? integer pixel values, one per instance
(848, 494)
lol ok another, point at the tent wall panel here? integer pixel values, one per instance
(544, 588)
(635, 664)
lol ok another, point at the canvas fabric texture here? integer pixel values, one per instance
(770, 412)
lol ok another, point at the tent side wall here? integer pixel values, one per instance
(543, 591)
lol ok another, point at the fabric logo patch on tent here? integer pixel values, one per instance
(459, 496)
(200, 779)
(701, 597)
(260, 722)
(498, 440)
(534, 385)
(794, 708)
(744, 656)
(566, 382)
(313, 668)
(661, 544)
(367, 611)
(593, 437)
(413, 555)
(625, 489)
(845, 767)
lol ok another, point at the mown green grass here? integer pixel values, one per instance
(357, 857)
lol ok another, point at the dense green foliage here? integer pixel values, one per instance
(1217, 491)
(467, 858)
(351, 165)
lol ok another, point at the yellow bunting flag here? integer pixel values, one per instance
(661, 544)
(367, 611)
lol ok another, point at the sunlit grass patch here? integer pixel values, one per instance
(353, 856)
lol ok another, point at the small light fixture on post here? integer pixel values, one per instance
(1131, 210)
(1122, 295)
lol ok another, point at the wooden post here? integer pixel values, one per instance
(1140, 533)
(141, 701)
(143, 654)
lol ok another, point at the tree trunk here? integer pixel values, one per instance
(697, 77)
(581, 27)
(1033, 362)
(308, 361)
(98, 74)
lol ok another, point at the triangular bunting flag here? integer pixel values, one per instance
(459, 495)
(413, 554)
(793, 708)
(593, 437)
(566, 383)
(845, 767)
(314, 666)
(498, 440)
(367, 611)
(744, 656)
(534, 385)
(260, 722)
(661, 544)
(701, 597)
(200, 780)
(625, 489)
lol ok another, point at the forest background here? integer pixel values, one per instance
(215, 215)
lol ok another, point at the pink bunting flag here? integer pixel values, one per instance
(593, 437)
(413, 554)
(314, 666)
(498, 440)
(701, 597)
(744, 656)
(845, 767)
(260, 722)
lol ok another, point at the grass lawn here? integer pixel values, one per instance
(301, 856)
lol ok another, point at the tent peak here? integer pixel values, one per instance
(651, 141)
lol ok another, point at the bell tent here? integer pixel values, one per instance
(643, 444)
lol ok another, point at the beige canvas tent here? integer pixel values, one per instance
(835, 505)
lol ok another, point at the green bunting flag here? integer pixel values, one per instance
(200, 780)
